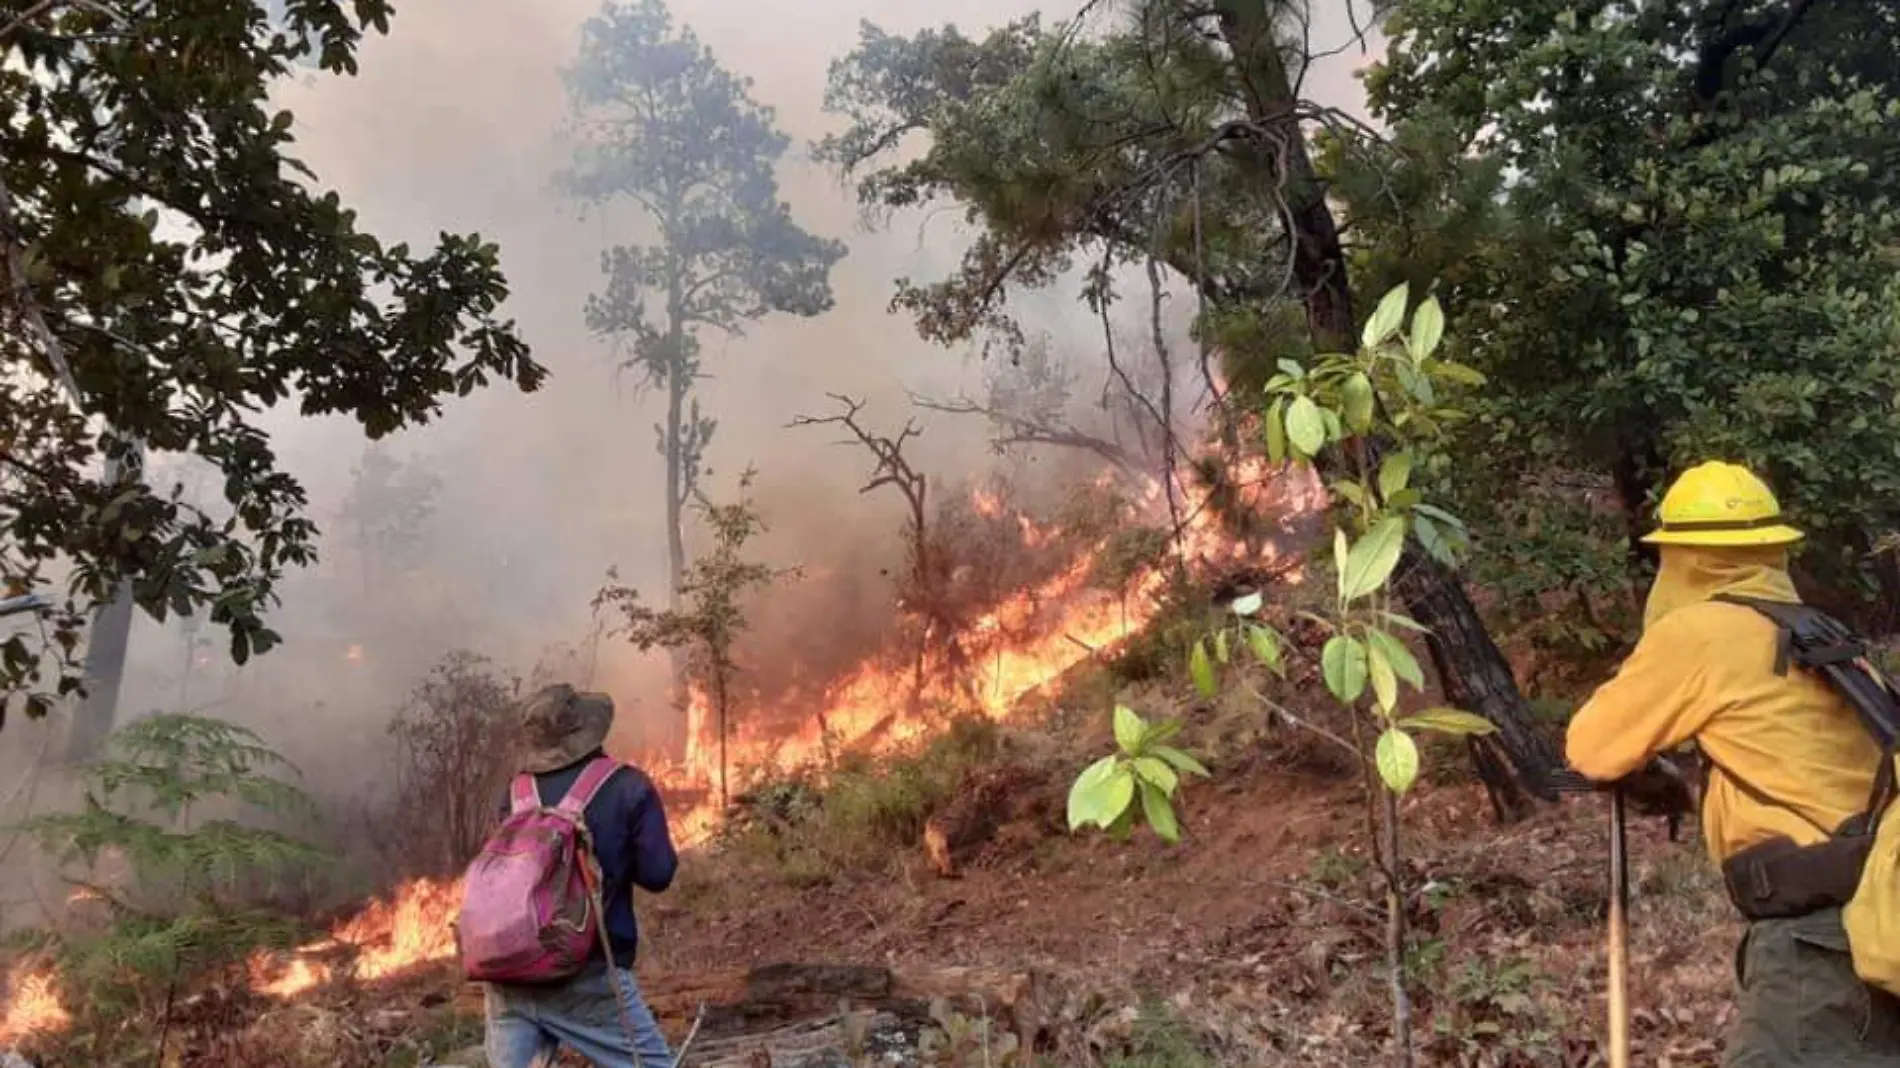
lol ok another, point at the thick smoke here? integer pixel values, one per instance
(454, 124)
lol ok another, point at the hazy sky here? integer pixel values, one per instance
(453, 124)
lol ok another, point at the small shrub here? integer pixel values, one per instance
(867, 811)
(455, 742)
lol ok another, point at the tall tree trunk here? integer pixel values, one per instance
(678, 381)
(1471, 668)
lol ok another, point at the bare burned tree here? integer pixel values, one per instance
(924, 593)
(1029, 402)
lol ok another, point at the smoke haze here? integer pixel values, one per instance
(454, 124)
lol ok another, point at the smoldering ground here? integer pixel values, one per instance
(455, 123)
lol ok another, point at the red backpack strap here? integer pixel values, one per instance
(522, 796)
(592, 778)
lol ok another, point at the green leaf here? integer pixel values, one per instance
(1342, 551)
(1433, 541)
(1160, 813)
(1201, 669)
(1404, 664)
(1305, 426)
(1386, 318)
(1397, 758)
(1428, 328)
(1406, 622)
(1220, 646)
(1371, 561)
(1101, 793)
(1357, 402)
(1156, 773)
(1181, 761)
(1395, 472)
(1385, 685)
(1276, 432)
(1450, 721)
(1160, 731)
(1459, 373)
(1248, 605)
(1130, 731)
(1266, 647)
(1343, 663)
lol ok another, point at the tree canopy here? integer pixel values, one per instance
(1668, 232)
(1160, 135)
(663, 127)
(172, 272)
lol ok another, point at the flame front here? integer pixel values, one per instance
(32, 1006)
(1015, 649)
(408, 929)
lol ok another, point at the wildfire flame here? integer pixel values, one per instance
(1016, 649)
(32, 1007)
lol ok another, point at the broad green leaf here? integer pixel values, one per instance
(1220, 646)
(1248, 605)
(1459, 373)
(1276, 432)
(1428, 328)
(1371, 561)
(1356, 399)
(1092, 798)
(1343, 663)
(1403, 663)
(1434, 512)
(1201, 669)
(1342, 550)
(1160, 813)
(1350, 490)
(1292, 369)
(1406, 622)
(1266, 647)
(1123, 826)
(1397, 758)
(1181, 760)
(1395, 472)
(1331, 419)
(1158, 732)
(1157, 773)
(1385, 685)
(1130, 731)
(1305, 426)
(1450, 721)
(1387, 317)
(1432, 540)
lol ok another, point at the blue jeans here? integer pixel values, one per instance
(527, 1024)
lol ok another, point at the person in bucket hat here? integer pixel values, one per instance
(1788, 766)
(562, 735)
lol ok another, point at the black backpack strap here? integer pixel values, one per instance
(1820, 643)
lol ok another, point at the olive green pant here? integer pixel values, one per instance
(1802, 1004)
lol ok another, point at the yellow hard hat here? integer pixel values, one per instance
(1719, 504)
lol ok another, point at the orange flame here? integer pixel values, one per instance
(392, 935)
(32, 1007)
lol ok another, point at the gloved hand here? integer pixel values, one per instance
(1659, 789)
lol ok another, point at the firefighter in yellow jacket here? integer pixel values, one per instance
(1788, 763)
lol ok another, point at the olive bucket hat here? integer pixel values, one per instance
(560, 726)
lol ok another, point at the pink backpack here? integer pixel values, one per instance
(531, 907)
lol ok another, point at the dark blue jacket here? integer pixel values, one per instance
(628, 825)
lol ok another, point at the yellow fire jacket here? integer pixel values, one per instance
(1706, 671)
